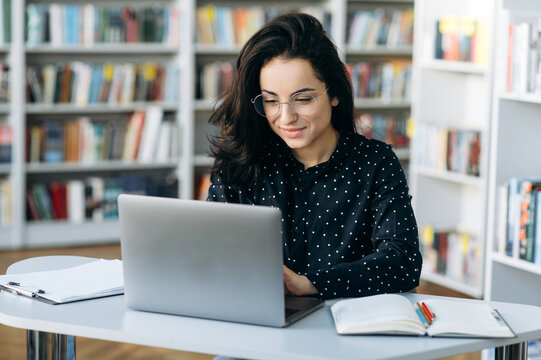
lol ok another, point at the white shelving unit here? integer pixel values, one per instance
(514, 152)
(191, 114)
(18, 54)
(454, 95)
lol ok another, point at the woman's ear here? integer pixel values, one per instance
(335, 101)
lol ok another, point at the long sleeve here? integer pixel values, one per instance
(395, 263)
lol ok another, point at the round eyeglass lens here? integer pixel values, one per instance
(269, 105)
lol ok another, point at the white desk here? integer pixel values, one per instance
(313, 337)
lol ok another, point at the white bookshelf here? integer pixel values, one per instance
(190, 114)
(453, 95)
(18, 54)
(514, 153)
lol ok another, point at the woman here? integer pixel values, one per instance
(288, 140)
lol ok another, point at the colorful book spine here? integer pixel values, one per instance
(90, 199)
(72, 24)
(82, 84)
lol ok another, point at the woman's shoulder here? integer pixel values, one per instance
(369, 148)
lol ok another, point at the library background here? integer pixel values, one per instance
(103, 98)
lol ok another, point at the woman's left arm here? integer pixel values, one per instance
(395, 263)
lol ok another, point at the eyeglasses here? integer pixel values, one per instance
(303, 103)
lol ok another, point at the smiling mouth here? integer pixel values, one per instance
(293, 133)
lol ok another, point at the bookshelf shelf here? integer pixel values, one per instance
(402, 154)
(120, 48)
(371, 104)
(451, 284)
(450, 176)
(517, 263)
(62, 233)
(41, 109)
(526, 98)
(216, 50)
(203, 161)
(379, 51)
(204, 105)
(44, 168)
(455, 67)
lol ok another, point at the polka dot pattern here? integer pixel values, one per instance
(347, 224)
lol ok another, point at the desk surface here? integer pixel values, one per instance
(313, 337)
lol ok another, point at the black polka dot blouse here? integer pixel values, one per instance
(347, 223)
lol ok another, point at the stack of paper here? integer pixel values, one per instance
(91, 280)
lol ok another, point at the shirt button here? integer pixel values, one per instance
(301, 189)
(297, 230)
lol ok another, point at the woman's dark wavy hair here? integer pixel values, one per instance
(238, 147)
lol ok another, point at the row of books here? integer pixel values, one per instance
(6, 140)
(6, 198)
(441, 148)
(144, 136)
(460, 38)
(519, 228)
(5, 88)
(454, 254)
(84, 83)
(390, 128)
(93, 198)
(380, 27)
(5, 21)
(523, 58)
(213, 79)
(389, 80)
(72, 24)
(232, 26)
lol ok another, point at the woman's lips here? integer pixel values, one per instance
(293, 133)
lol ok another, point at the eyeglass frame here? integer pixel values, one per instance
(253, 100)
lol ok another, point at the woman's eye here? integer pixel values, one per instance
(270, 101)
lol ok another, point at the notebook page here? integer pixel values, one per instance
(467, 318)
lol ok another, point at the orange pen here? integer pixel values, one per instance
(430, 314)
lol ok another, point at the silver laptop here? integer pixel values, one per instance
(204, 259)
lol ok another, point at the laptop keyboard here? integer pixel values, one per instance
(291, 311)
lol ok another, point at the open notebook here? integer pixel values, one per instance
(395, 314)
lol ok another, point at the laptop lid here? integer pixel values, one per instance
(204, 259)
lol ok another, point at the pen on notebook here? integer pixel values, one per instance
(425, 315)
(430, 313)
(421, 317)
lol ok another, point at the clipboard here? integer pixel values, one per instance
(97, 279)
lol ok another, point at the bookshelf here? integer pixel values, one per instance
(515, 130)
(193, 56)
(28, 50)
(451, 111)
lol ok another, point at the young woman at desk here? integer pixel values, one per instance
(288, 140)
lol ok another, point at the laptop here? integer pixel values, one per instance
(205, 259)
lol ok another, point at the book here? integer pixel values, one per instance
(395, 314)
(95, 279)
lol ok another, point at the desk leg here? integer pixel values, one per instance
(512, 352)
(47, 346)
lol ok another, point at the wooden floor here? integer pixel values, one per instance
(13, 341)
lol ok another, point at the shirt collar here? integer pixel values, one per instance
(337, 157)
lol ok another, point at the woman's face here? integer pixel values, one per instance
(280, 79)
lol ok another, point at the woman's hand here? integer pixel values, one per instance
(297, 284)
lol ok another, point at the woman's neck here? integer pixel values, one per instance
(318, 152)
